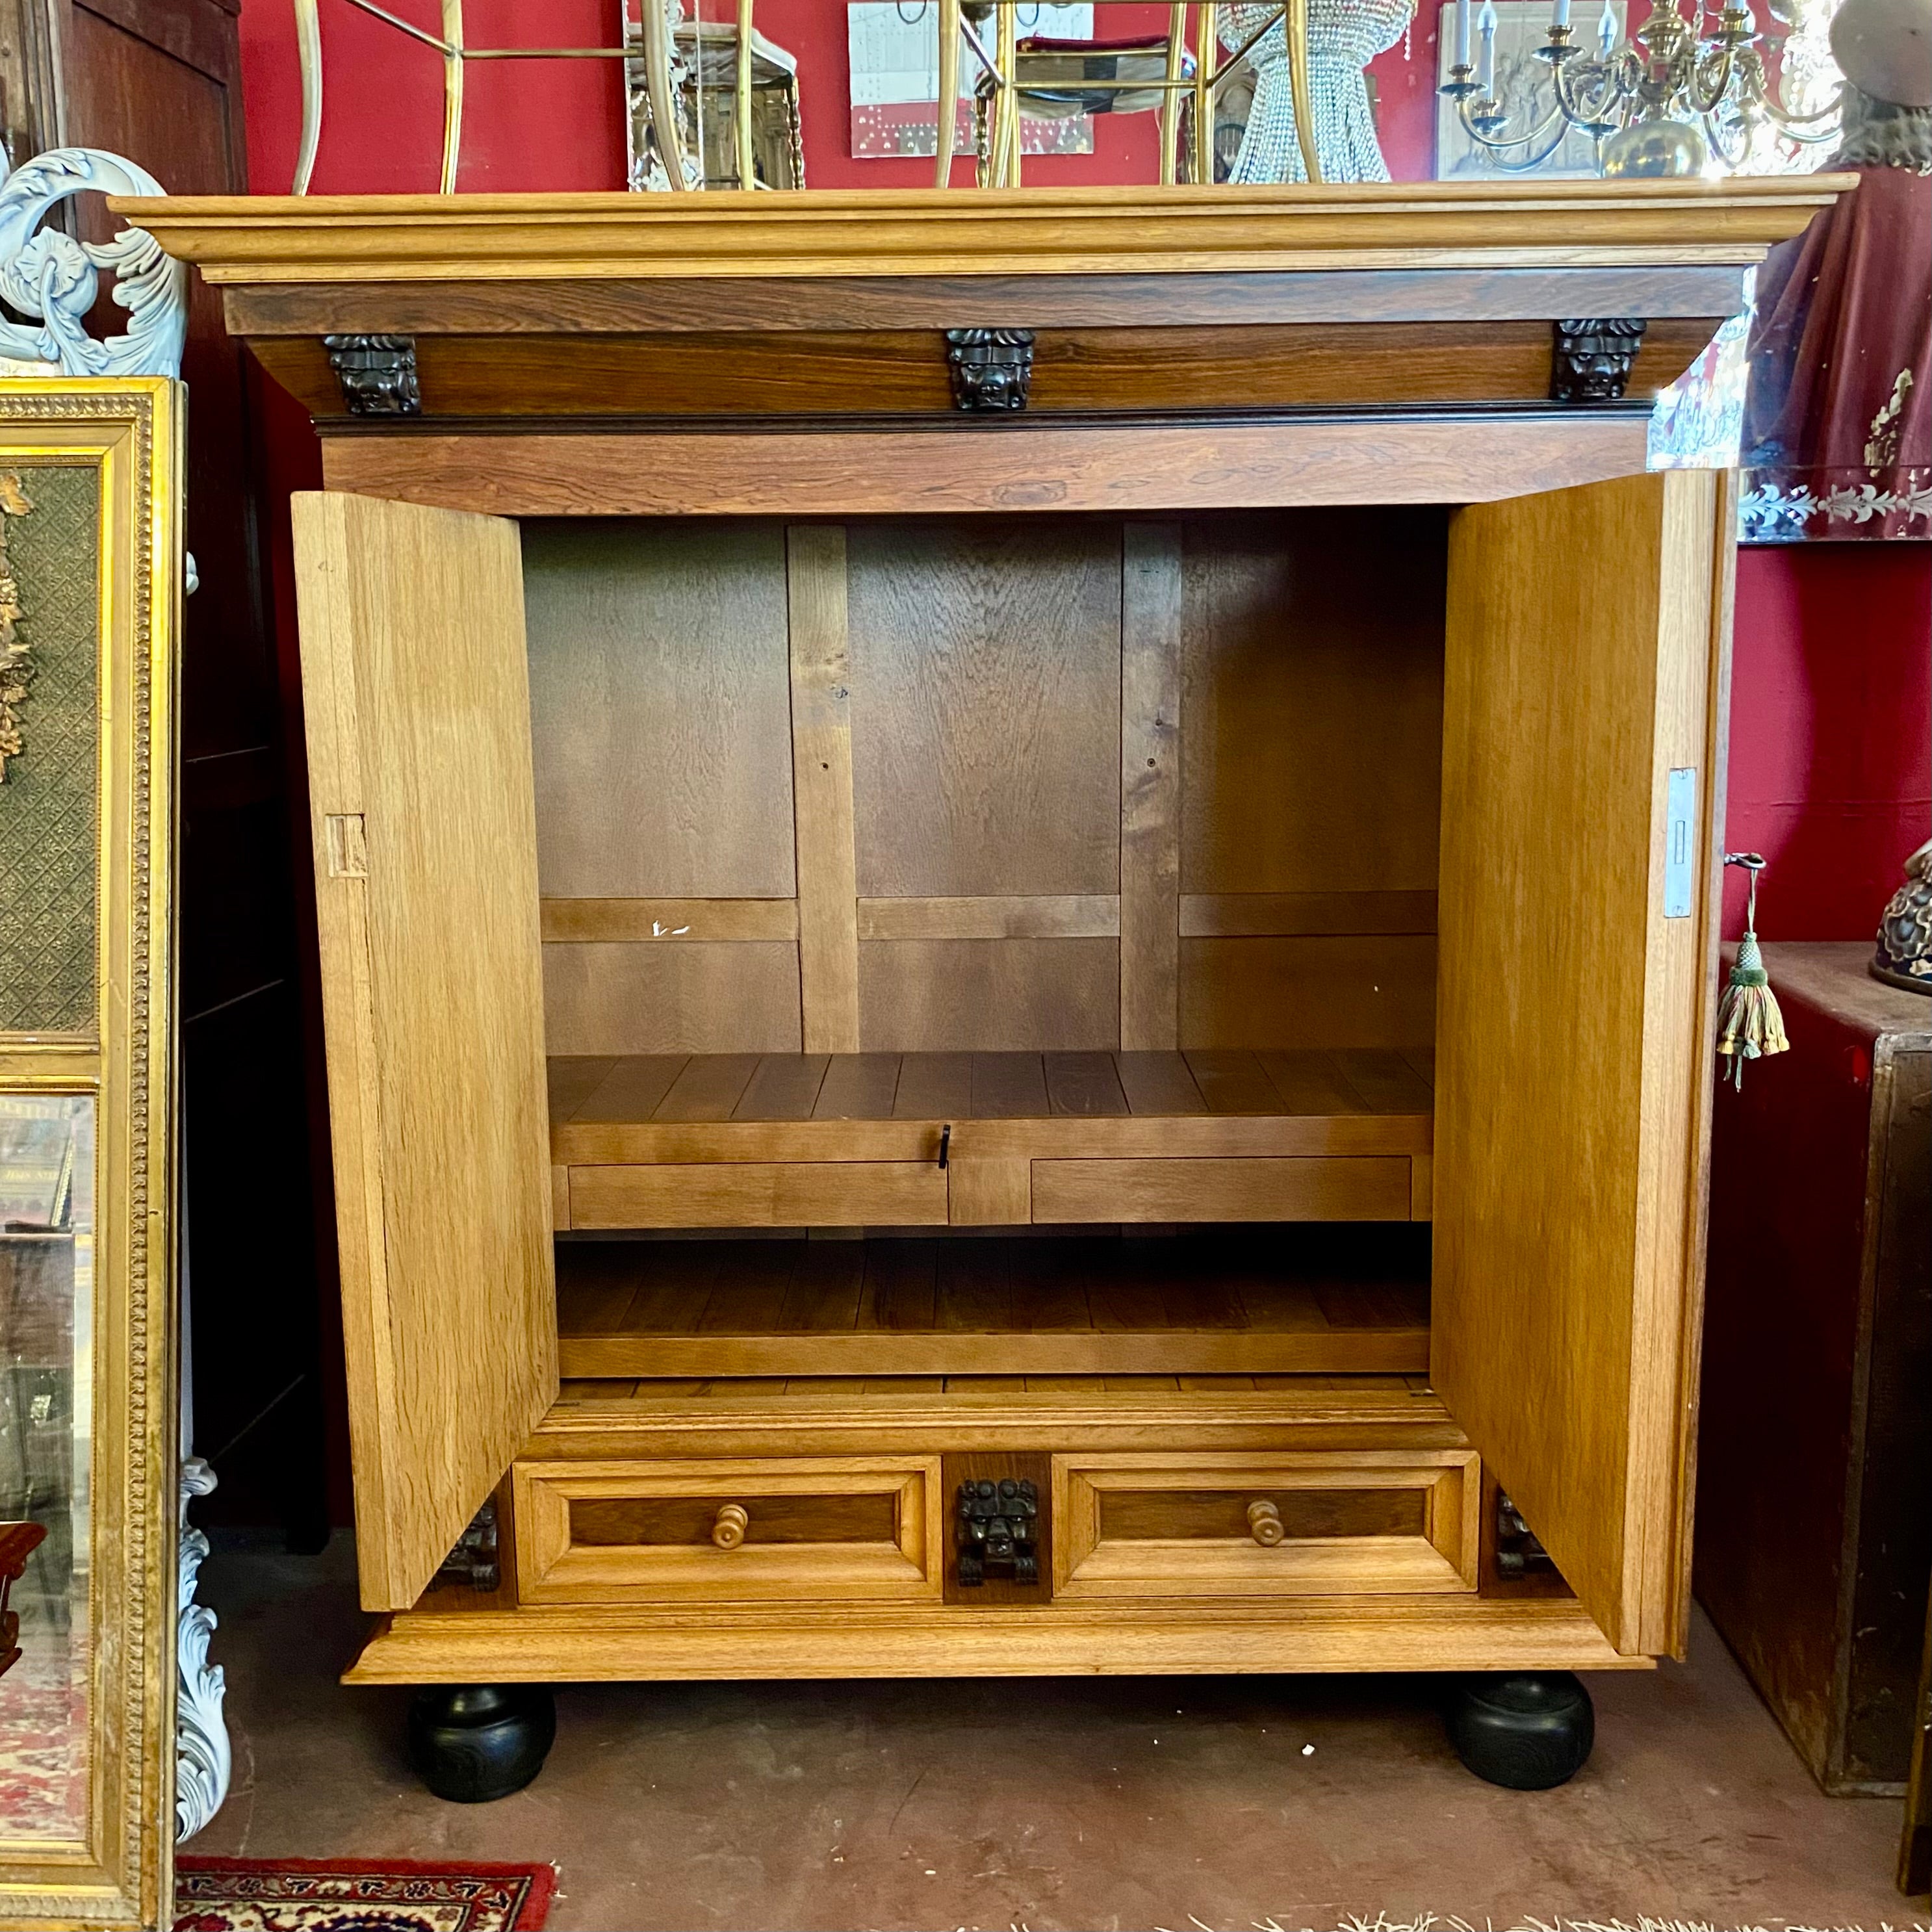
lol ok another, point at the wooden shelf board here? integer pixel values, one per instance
(1000, 1312)
(884, 1107)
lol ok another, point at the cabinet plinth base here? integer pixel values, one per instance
(1526, 1730)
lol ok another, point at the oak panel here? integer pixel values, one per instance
(1567, 1227)
(680, 921)
(659, 711)
(1151, 630)
(816, 1528)
(986, 660)
(1316, 992)
(821, 751)
(1372, 1522)
(972, 996)
(414, 682)
(1312, 720)
(1358, 1188)
(647, 997)
(754, 1194)
(1026, 466)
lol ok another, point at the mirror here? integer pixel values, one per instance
(46, 1340)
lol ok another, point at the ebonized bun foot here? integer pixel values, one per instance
(471, 1743)
(1524, 1729)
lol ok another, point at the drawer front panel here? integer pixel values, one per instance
(1365, 1522)
(1310, 1188)
(752, 1531)
(761, 1194)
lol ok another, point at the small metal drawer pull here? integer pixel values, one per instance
(728, 1531)
(1264, 1520)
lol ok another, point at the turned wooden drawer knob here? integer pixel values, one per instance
(727, 1531)
(1264, 1519)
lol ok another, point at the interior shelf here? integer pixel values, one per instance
(1224, 1302)
(925, 1139)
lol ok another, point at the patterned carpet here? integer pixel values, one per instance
(359, 1895)
(44, 1741)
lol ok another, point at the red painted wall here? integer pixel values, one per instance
(559, 124)
(1831, 760)
(1831, 774)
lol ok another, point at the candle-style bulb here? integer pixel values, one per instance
(1486, 70)
(1606, 31)
(1462, 32)
(1559, 14)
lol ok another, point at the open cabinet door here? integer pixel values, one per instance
(1585, 656)
(416, 686)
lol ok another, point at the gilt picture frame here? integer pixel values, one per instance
(91, 584)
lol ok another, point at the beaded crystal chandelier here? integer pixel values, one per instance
(1668, 102)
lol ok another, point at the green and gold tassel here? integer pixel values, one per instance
(1750, 1026)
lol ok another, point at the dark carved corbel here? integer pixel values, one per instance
(1594, 358)
(991, 367)
(475, 1560)
(377, 372)
(1518, 1551)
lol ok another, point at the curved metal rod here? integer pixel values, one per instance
(741, 100)
(1295, 27)
(1170, 101)
(308, 56)
(946, 134)
(657, 85)
(452, 93)
(1206, 64)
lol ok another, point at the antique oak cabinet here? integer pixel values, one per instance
(1018, 904)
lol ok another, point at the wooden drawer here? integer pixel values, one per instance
(1293, 1188)
(809, 1529)
(761, 1194)
(1369, 1521)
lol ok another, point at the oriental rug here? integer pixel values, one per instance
(359, 1895)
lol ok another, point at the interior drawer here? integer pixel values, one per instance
(1342, 1524)
(810, 1529)
(761, 1194)
(1290, 1188)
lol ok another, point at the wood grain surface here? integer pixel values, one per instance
(1565, 1181)
(415, 684)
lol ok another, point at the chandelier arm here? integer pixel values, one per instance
(1706, 94)
(1570, 100)
(1496, 143)
(1831, 112)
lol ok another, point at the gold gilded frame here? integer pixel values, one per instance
(130, 431)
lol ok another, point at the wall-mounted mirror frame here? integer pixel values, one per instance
(90, 487)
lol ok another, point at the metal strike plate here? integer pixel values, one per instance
(1680, 841)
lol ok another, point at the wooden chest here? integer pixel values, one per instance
(1814, 1490)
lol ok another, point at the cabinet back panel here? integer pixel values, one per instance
(661, 709)
(1312, 766)
(648, 998)
(1147, 785)
(989, 996)
(985, 663)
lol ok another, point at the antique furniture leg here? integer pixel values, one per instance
(473, 1743)
(1525, 1729)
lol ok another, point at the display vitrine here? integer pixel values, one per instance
(1017, 906)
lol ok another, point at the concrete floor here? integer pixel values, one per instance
(1045, 1803)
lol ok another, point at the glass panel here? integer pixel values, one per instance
(47, 1324)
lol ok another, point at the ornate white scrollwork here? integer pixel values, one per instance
(47, 274)
(202, 1760)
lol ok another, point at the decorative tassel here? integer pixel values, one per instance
(1750, 1026)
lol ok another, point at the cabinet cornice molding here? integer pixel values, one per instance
(333, 239)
